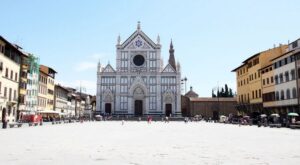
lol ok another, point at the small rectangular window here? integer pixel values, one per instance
(6, 72)
(11, 74)
(16, 76)
(295, 44)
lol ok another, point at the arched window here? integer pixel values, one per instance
(294, 93)
(293, 74)
(282, 95)
(287, 76)
(277, 95)
(281, 77)
(288, 94)
(276, 79)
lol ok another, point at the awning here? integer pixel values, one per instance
(48, 112)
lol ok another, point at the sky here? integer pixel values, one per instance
(210, 38)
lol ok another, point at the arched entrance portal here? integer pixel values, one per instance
(168, 109)
(138, 101)
(108, 108)
(138, 107)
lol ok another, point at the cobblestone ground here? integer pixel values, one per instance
(141, 143)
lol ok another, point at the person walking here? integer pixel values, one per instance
(167, 119)
(4, 118)
(149, 118)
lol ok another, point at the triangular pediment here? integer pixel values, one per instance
(138, 82)
(169, 69)
(139, 40)
(108, 69)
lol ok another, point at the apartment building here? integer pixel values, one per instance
(10, 63)
(285, 83)
(249, 80)
(46, 88)
(61, 101)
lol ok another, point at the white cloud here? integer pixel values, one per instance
(92, 61)
(87, 86)
(85, 65)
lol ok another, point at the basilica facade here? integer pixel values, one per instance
(140, 84)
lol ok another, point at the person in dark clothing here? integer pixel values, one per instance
(4, 120)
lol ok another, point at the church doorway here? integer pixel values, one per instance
(168, 109)
(138, 107)
(108, 108)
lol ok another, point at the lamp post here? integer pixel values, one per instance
(218, 97)
(183, 81)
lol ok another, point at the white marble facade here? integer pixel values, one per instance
(140, 85)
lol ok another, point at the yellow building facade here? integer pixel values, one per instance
(46, 88)
(23, 84)
(249, 80)
(268, 86)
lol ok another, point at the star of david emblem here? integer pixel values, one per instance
(138, 43)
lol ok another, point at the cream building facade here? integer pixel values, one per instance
(10, 61)
(285, 83)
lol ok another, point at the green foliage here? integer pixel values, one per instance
(213, 94)
(225, 92)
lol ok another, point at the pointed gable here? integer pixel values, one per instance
(108, 69)
(169, 69)
(139, 40)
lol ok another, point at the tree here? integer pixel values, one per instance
(213, 94)
(222, 92)
(230, 93)
(225, 92)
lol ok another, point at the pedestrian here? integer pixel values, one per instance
(293, 120)
(123, 121)
(4, 118)
(185, 119)
(149, 119)
(167, 119)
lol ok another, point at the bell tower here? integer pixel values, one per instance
(171, 56)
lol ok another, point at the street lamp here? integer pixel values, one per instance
(183, 81)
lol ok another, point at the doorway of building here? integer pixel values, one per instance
(108, 108)
(215, 115)
(168, 109)
(138, 107)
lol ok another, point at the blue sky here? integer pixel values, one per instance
(210, 37)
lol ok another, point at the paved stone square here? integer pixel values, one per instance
(141, 143)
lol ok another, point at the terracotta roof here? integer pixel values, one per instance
(191, 93)
(255, 55)
(47, 69)
(214, 99)
(62, 87)
(12, 45)
(291, 52)
(238, 67)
